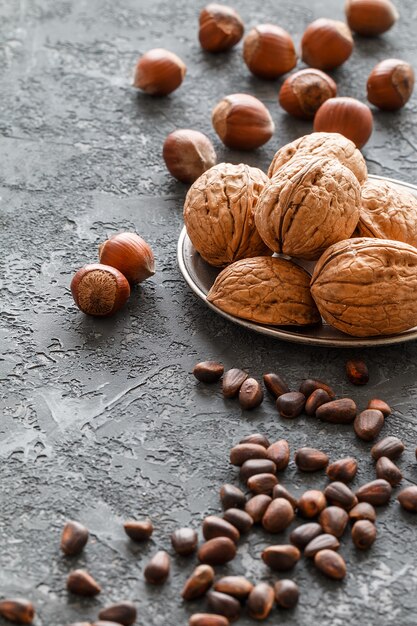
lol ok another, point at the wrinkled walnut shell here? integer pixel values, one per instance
(322, 144)
(266, 290)
(367, 287)
(219, 213)
(388, 212)
(307, 206)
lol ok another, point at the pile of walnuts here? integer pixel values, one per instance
(316, 204)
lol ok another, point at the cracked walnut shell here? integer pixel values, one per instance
(266, 290)
(367, 287)
(219, 213)
(307, 206)
(387, 212)
(322, 144)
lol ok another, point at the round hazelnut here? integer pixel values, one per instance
(221, 28)
(187, 154)
(130, 254)
(242, 122)
(346, 116)
(305, 91)
(370, 17)
(159, 72)
(326, 44)
(99, 290)
(219, 213)
(269, 51)
(390, 84)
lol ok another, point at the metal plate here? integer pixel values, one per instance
(200, 276)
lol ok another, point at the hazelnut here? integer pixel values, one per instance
(159, 72)
(242, 122)
(305, 91)
(99, 289)
(221, 28)
(346, 116)
(326, 44)
(130, 254)
(390, 84)
(269, 51)
(188, 154)
(370, 17)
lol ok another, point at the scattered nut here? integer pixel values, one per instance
(269, 51)
(188, 154)
(130, 254)
(326, 44)
(159, 72)
(221, 28)
(242, 122)
(347, 116)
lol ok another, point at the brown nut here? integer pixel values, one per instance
(387, 212)
(232, 497)
(310, 459)
(390, 84)
(380, 405)
(159, 72)
(220, 225)
(385, 468)
(81, 583)
(236, 586)
(304, 534)
(334, 520)
(214, 526)
(343, 470)
(198, 583)
(357, 371)
(279, 453)
(221, 28)
(17, 610)
(317, 195)
(262, 483)
(331, 564)
(258, 438)
(279, 491)
(73, 538)
(99, 290)
(286, 593)
(370, 17)
(250, 394)
(208, 619)
(363, 534)
(240, 519)
(339, 494)
(363, 510)
(275, 384)
(392, 447)
(368, 424)
(208, 371)
(310, 385)
(291, 404)
(217, 551)
(322, 542)
(377, 492)
(408, 499)
(266, 290)
(378, 301)
(317, 398)
(138, 530)
(326, 44)
(311, 503)
(242, 122)
(278, 516)
(342, 411)
(122, 613)
(332, 145)
(257, 506)
(184, 541)
(233, 379)
(130, 254)
(347, 116)
(223, 604)
(302, 93)
(281, 558)
(188, 154)
(269, 51)
(260, 601)
(256, 466)
(245, 451)
(157, 570)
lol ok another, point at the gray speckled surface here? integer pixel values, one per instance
(101, 420)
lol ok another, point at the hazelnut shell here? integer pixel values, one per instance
(370, 17)
(221, 28)
(304, 92)
(242, 122)
(269, 51)
(390, 84)
(347, 116)
(188, 154)
(159, 72)
(99, 290)
(326, 44)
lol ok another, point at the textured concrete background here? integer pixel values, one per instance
(101, 420)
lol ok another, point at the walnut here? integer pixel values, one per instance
(322, 144)
(307, 206)
(219, 213)
(366, 287)
(266, 290)
(388, 212)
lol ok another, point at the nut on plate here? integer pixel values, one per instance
(322, 144)
(219, 213)
(307, 206)
(367, 287)
(266, 290)
(387, 212)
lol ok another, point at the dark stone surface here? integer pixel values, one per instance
(101, 420)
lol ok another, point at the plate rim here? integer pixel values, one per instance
(288, 335)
